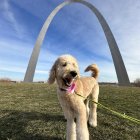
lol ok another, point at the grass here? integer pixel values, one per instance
(32, 112)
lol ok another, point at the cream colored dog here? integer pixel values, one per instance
(76, 109)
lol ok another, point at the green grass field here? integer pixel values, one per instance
(32, 112)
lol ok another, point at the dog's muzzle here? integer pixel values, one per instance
(68, 80)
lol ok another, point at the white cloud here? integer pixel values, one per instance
(14, 57)
(39, 8)
(42, 72)
(11, 18)
(20, 70)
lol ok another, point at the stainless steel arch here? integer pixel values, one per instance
(117, 58)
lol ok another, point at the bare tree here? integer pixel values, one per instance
(5, 80)
(137, 82)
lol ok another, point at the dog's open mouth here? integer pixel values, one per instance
(68, 81)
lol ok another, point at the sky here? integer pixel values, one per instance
(75, 30)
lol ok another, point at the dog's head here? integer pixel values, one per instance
(65, 70)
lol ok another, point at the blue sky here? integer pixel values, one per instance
(75, 30)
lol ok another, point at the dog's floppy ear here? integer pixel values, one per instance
(52, 75)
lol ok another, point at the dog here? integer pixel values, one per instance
(65, 72)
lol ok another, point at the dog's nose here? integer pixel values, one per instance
(73, 73)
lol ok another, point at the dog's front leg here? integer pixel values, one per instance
(81, 125)
(71, 129)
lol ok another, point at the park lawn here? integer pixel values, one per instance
(32, 112)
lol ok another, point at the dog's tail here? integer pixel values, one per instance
(95, 70)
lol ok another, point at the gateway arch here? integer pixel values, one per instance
(121, 72)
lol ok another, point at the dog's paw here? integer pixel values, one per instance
(92, 123)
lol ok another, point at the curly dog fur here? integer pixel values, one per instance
(66, 73)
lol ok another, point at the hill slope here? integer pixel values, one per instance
(32, 111)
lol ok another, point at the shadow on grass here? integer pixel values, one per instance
(13, 125)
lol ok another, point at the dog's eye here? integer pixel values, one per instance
(64, 65)
(74, 64)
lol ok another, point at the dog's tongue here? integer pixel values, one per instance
(71, 88)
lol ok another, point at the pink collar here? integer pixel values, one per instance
(70, 89)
